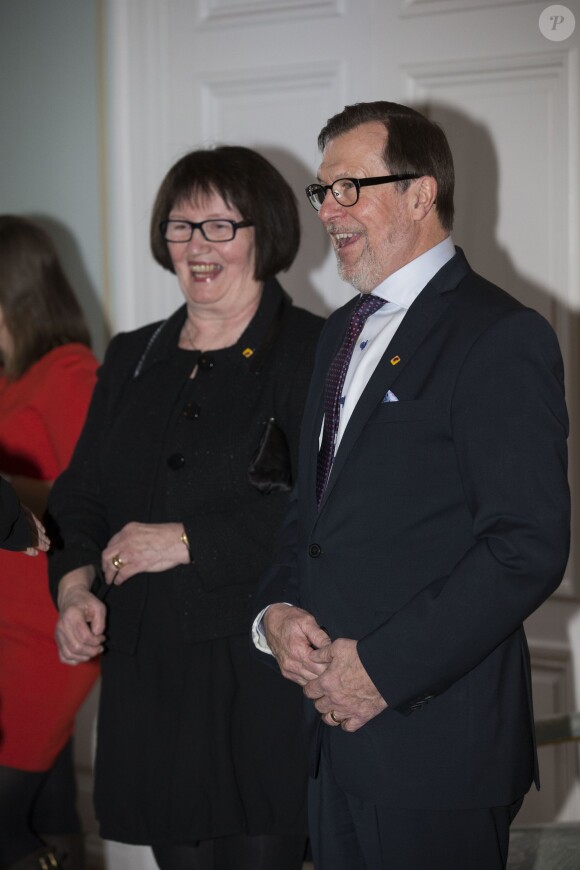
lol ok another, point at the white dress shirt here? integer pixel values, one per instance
(400, 289)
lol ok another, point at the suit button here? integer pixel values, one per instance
(176, 461)
(314, 550)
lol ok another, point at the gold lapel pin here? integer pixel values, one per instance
(395, 360)
(248, 352)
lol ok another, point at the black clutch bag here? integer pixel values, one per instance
(270, 469)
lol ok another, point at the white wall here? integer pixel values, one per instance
(50, 133)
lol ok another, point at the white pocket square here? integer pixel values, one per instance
(389, 397)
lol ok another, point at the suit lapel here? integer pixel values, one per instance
(418, 322)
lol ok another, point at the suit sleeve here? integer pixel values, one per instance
(509, 426)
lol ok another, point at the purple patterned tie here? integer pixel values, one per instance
(366, 305)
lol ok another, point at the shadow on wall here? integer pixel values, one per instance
(73, 264)
(477, 178)
(314, 244)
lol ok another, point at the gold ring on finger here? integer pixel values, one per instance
(117, 562)
(334, 719)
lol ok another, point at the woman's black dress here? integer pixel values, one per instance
(196, 738)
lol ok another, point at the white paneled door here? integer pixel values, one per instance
(268, 73)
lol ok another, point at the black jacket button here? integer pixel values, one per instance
(176, 461)
(205, 362)
(191, 410)
(314, 550)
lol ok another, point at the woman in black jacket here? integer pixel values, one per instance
(176, 490)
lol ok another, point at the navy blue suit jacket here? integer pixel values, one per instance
(445, 523)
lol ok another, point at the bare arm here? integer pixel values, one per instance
(21, 531)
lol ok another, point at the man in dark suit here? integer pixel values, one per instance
(431, 517)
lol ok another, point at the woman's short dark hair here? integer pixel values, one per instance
(246, 181)
(38, 304)
(414, 144)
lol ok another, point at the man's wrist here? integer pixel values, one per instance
(258, 631)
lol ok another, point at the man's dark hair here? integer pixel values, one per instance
(414, 144)
(246, 181)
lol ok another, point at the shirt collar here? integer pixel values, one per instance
(404, 285)
(163, 342)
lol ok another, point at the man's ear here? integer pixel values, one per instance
(423, 196)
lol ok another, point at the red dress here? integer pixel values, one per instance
(41, 416)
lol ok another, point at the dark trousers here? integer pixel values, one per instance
(348, 833)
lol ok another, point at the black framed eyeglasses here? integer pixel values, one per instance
(346, 191)
(212, 230)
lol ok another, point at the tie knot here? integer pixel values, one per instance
(367, 305)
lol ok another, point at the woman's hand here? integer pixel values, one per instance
(144, 547)
(40, 540)
(33, 497)
(80, 629)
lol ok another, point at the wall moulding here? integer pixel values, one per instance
(269, 80)
(543, 85)
(319, 83)
(431, 7)
(553, 687)
(489, 69)
(229, 12)
(553, 657)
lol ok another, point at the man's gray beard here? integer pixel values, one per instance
(363, 279)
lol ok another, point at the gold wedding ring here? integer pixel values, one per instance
(117, 562)
(334, 719)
